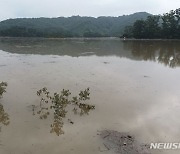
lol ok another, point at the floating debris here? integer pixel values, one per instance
(87, 53)
(106, 62)
(3, 65)
(145, 76)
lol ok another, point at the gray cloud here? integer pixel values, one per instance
(55, 8)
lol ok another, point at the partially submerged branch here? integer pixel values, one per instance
(3, 86)
(59, 103)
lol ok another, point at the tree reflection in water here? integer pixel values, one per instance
(58, 104)
(167, 52)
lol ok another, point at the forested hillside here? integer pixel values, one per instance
(166, 26)
(74, 26)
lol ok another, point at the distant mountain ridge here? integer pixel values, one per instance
(74, 26)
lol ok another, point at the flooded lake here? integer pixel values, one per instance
(134, 85)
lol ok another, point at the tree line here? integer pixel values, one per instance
(166, 26)
(74, 26)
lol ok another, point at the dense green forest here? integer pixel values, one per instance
(140, 25)
(166, 26)
(74, 26)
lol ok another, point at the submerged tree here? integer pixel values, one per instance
(3, 86)
(58, 103)
(4, 117)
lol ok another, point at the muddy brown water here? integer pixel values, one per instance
(134, 85)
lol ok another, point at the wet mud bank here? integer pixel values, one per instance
(122, 143)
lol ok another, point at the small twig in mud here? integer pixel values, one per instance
(106, 146)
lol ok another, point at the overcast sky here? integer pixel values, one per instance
(56, 8)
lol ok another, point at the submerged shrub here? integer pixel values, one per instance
(59, 102)
(3, 86)
(4, 117)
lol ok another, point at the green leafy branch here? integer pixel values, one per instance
(59, 103)
(3, 86)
